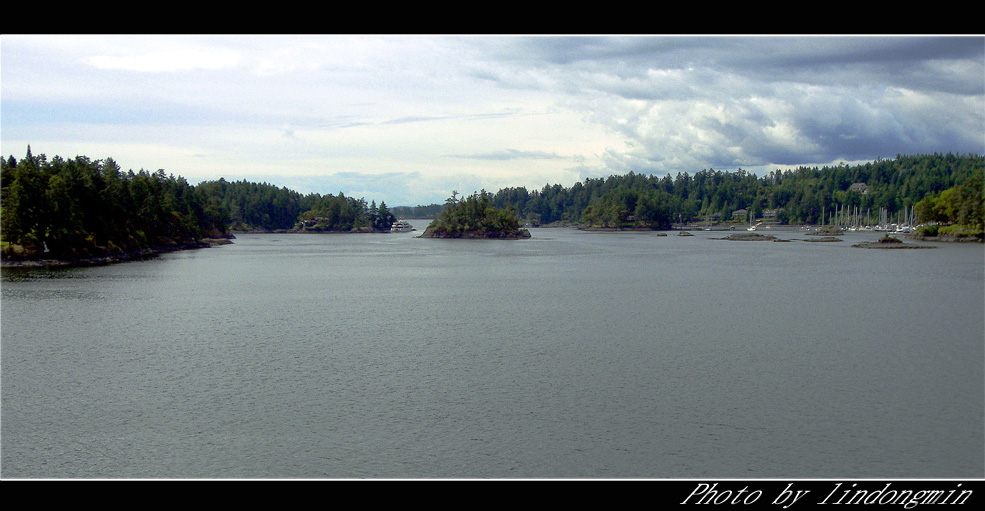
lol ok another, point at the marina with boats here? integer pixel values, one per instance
(852, 220)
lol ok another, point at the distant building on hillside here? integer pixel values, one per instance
(859, 187)
(770, 214)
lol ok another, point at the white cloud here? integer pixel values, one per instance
(170, 60)
(486, 111)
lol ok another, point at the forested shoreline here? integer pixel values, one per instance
(76, 208)
(806, 195)
(84, 209)
(79, 208)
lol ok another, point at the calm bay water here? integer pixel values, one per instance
(569, 355)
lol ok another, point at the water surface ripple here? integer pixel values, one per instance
(569, 355)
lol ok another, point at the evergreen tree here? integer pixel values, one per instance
(384, 218)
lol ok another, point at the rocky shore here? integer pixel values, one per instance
(827, 231)
(121, 257)
(618, 229)
(560, 224)
(477, 235)
(889, 242)
(749, 236)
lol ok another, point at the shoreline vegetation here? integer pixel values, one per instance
(82, 211)
(120, 257)
(474, 217)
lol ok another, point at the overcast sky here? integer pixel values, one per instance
(408, 119)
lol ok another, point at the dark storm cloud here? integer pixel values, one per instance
(745, 101)
(913, 62)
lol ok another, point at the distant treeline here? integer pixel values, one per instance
(78, 208)
(248, 206)
(430, 211)
(803, 195)
(82, 207)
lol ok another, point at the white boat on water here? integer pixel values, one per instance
(401, 226)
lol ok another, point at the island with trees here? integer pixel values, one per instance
(474, 217)
(82, 210)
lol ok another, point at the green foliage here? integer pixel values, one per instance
(253, 206)
(77, 208)
(335, 213)
(473, 214)
(629, 207)
(382, 219)
(802, 195)
(960, 231)
(80, 208)
(265, 207)
(961, 207)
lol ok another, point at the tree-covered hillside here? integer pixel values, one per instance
(81, 207)
(802, 195)
(265, 207)
(957, 211)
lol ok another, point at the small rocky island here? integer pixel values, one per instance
(749, 236)
(474, 217)
(889, 242)
(476, 235)
(827, 230)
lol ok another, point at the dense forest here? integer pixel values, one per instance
(805, 195)
(83, 208)
(957, 211)
(264, 207)
(61, 208)
(80, 208)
